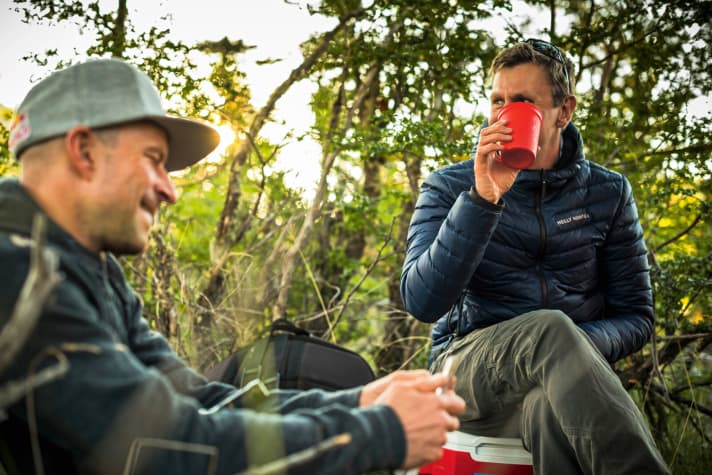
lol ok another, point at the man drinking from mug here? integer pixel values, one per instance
(537, 280)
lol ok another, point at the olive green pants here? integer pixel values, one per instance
(539, 377)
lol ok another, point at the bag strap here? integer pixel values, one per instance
(284, 325)
(255, 358)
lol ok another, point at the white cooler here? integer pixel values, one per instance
(467, 454)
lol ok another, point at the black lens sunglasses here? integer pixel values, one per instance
(551, 51)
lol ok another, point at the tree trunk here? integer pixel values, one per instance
(397, 345)
(289, 263)
(118, 45)
(229, 227)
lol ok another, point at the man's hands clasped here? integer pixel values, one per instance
(425, 413)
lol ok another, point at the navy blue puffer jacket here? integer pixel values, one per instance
(567, 238)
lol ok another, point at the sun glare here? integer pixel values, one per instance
(227, 138)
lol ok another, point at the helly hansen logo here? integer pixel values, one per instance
(573, 219)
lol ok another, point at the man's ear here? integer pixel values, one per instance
(566, 112)
(80, 143)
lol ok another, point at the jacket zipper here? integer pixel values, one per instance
(542, 238)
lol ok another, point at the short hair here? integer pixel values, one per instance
(108, 135)
(560, 75)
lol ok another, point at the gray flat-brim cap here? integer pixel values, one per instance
(100, 93)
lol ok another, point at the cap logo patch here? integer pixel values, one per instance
(19, 129)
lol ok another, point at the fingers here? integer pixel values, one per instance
(426, 429)
(432, 382)
(411, 383)
(492, 177)
(423, 454)
(426, 416)
(452, 403)
(371, 391)
(497, 131)
(408, 375)
(451, 423)
(491, 138)
(422, 380)
(451, 383)
(438, 384)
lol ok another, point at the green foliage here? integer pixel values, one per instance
(8, 166)
(201, 197)
(228, 81)
(164, 59)
(647, 71)
(683, 440)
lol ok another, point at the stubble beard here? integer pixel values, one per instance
(120, 232)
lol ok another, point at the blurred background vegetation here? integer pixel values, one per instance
(397, 84)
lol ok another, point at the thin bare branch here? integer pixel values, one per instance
(621, 49)
(655, 370)
(228, 227)
(680, 234)
(289, 264)
(700, 148)
(319, 296)
(249, 219)
(225, 224)
(683, 400)
(284, 464)
(552, 20)
(163, 444)
(13, 391)
(355, 288)
(41, 280)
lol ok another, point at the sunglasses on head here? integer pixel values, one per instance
(551, 51)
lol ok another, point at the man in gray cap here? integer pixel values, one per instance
(95, 148)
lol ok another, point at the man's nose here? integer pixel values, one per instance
(164, 187)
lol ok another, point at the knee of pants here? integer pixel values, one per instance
(559, 329)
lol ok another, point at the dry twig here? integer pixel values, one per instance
(284, 464)
(41, 280)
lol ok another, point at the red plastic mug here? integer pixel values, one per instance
(525, 121)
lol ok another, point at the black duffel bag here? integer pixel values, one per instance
(288, 357)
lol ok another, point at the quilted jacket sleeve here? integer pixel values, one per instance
(449, 232)
(628, 292)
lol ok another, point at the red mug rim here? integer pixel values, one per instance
(519, 104)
